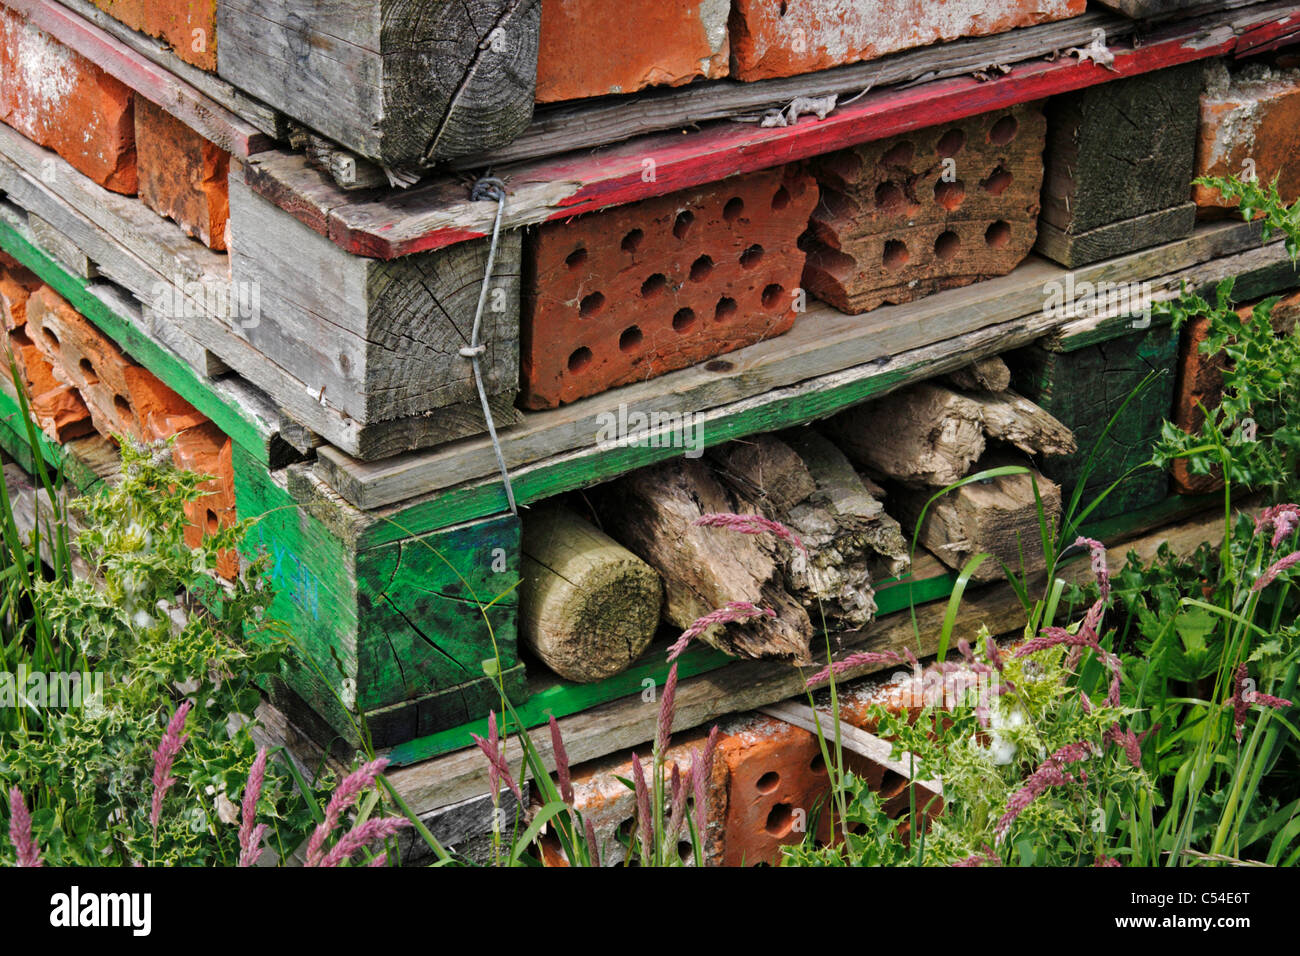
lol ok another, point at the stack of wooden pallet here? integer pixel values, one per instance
(737, 219)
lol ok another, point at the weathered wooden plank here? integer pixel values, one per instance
(746, 685)
(440, 213)
(1264, 269)
(823, 342)
(157, 84)
(402, 82)
(1116, 238)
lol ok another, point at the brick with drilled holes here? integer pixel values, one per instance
(57, 407)
(189, 27)
(1250, 125)
(772, 38)
(62, 101)
(205, 450)
(939, 208)
(182, 175)
(584, 51)
(629, 293)
(16, 285)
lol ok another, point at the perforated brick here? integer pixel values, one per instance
(126, 399)
(61, 100)
(786, 37)
(57, 407)
(182, 175)
(633, 292)
(585, 49)
(16, 285)
(936, 209)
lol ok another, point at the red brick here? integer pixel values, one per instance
(586, 49)
(205, 450)
(629, 293)
(57, 407)
(943, 207)
(1252, 118)
(16, 285)
(1200, 386)
(175, 22)
(771, 38)
(59, 99)
(182, 175)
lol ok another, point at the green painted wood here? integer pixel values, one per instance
(178, 376)
(1084, 388)
(394, 632)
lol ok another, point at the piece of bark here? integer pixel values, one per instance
(588, 607)
(986, 375)
(652, 513)
(1016, 420)
(923, 436)
(998, 516)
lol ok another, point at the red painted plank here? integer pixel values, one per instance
(205, 116)
(440, 214)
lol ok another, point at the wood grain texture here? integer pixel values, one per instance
(377, 340)
(402, 82)
(1116, 238)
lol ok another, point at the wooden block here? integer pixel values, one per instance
(396, 630)
(1119, 158)
(588, 607)
(59, 99)
(402, 82)
(1117, 238)
(1199, 385)
(583, 51)
(188, 26)
(1250, 124)
(799, 36)
(376, 340)
(182, 175)
(943, 207)
(1083, 388)
(633, 292)
(1149, 9)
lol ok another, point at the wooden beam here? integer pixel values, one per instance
(440, 213)
(197, 110)
(402, 82)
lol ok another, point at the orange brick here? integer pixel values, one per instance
(205, 450)
(626, 294)
(182, 175)
(939, 208)
(785, 38)
(59, 99)
(1249, 122)
(584, 51)
(16, 285)
(176, 22)
(57, 407)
